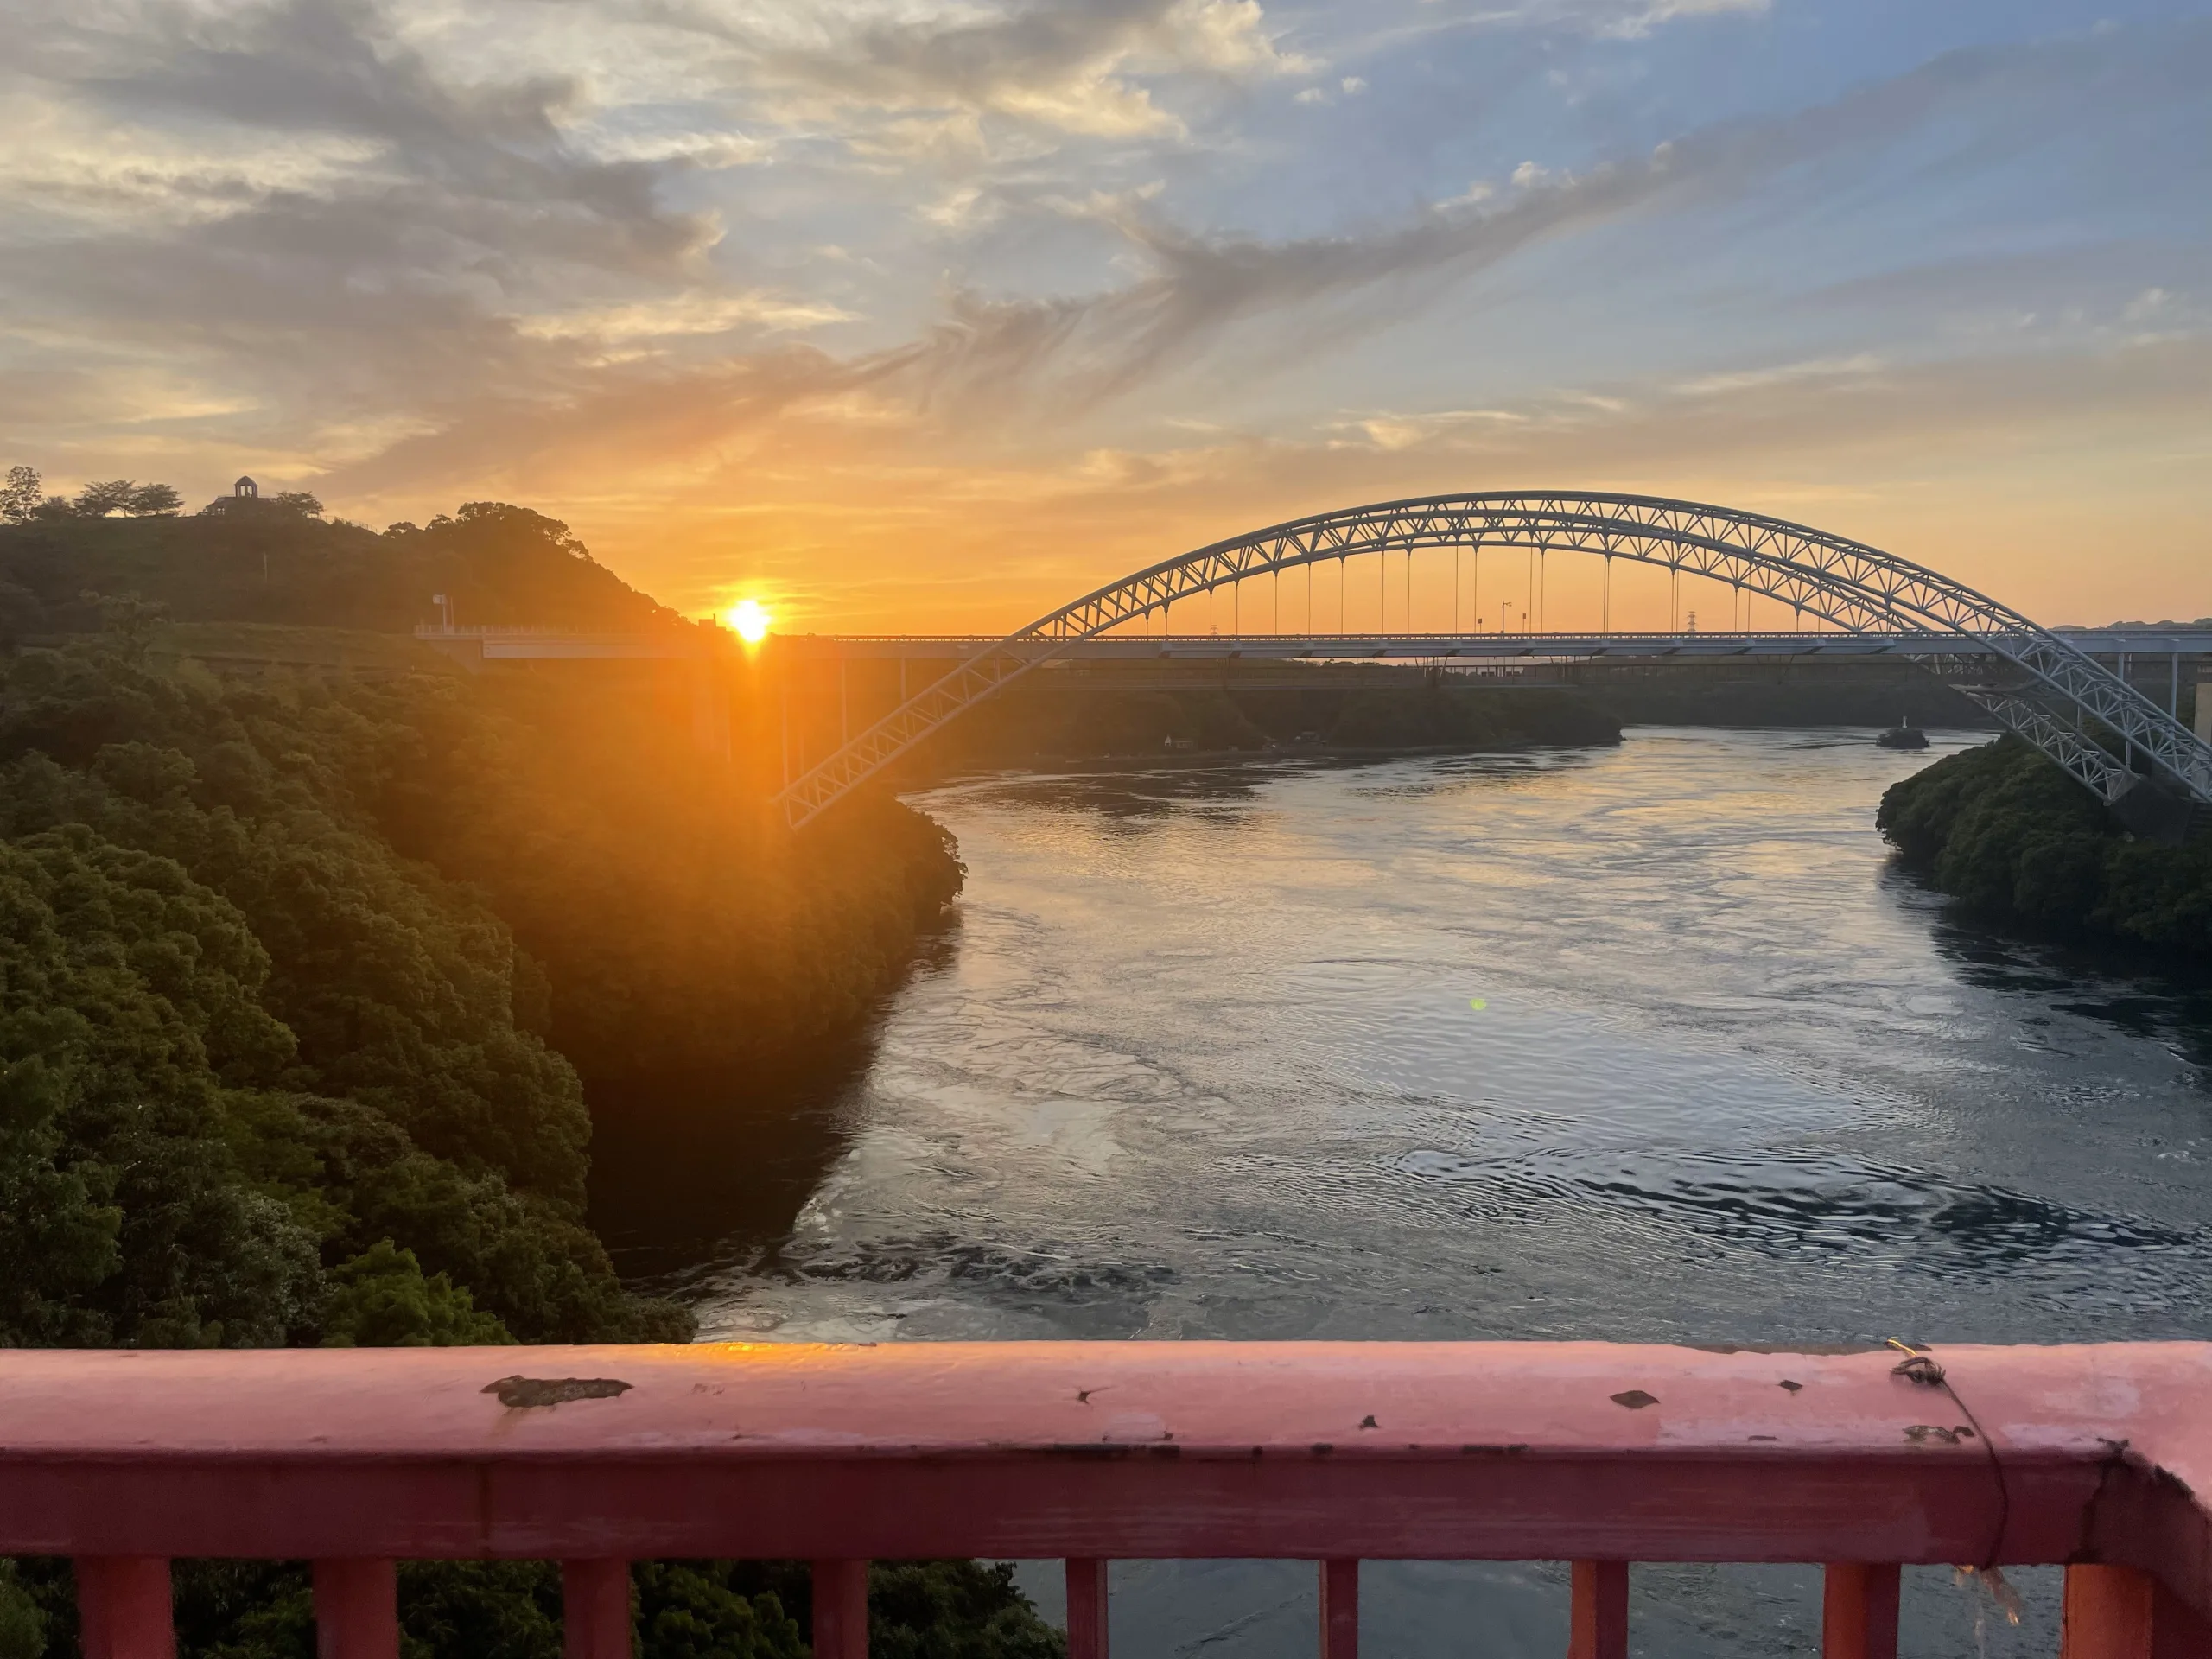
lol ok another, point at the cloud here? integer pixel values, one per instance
(1010, 369)
(665, 421)
(1779, 374)
(1072, 65)
(1082, 349)
(1635, 22)
(1070, 351)
(1407, 431)
(697, 149)
(1816, 418)
(324, 72)
(1604, 19)
(435, 228)
(698, 312)
(416, 276)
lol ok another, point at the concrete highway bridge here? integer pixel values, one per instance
(2071, 695)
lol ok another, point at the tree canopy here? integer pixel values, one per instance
(276, 559)
(2008, 833)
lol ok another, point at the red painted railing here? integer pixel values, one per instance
(1332, 1452)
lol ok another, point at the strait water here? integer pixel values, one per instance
(1647, 1043)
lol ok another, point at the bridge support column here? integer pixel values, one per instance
(1086, 1609)
(2118, 1612)
(124, 1607)
(841, 1610)
(1597, 1620)
(357, 1609)
(1340, 1609)
(710, 710)
(595, 1621)
(1858, 1610)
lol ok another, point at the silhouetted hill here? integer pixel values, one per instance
(271, 561)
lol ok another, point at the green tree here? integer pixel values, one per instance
(97, 500)
(154, 501)
(22, 1625)
(129, 618)
(21, 495)
(120, 979)
(380, 1299)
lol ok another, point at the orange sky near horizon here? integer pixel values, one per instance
(2089, 516)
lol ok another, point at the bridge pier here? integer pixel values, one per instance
(709, 710)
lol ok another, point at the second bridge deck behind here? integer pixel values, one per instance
(1429, 647)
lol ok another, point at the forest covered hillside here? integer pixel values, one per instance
(339, 950)
(315, 987)
(277, 559)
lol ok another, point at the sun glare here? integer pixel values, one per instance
(751, 619)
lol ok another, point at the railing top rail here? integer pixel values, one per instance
(1295, 1450)
(1023, 1399)
(745, 1402)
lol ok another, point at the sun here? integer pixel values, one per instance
(751, 619)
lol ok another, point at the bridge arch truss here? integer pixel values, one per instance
(2070, 706)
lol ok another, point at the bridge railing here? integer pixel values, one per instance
(1333, 1452)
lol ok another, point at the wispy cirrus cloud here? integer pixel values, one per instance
(1074, 66)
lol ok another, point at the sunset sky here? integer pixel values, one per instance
(912, 314)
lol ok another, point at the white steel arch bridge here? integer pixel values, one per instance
(2110, 736)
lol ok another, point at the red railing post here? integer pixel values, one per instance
(2109, 1613)
(595, 1622)
(1086, 1581)
(1340, 1609)
(1598, 1625)
(124, 1608)
(1086, 1609)
(1858, 1610)
(356, 1610)
(841, 1610)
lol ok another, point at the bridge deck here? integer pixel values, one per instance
(1432, 646)
(524, 644)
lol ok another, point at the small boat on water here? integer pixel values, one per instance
(1903, 736)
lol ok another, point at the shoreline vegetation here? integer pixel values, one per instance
(1104, 720)
(2005, 831)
